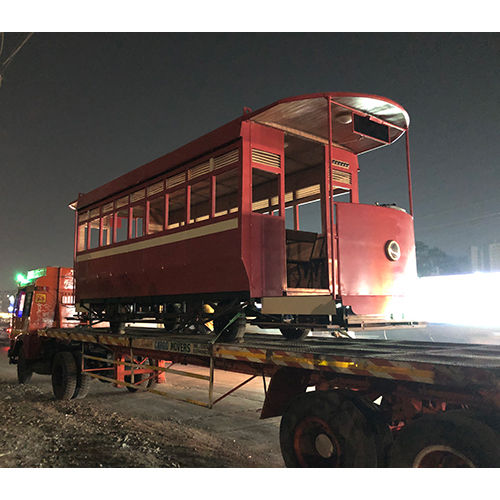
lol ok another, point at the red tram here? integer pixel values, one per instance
(215, 230)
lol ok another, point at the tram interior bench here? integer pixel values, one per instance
(305, 258)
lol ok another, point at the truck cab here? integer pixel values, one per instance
(45, 299)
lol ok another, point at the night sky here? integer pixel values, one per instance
(77, 110)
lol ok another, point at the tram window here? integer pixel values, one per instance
(121, 223)
(138, 212)
(289, 221)
(107, 230)
(342, 194)
(265, 189)
(200, 201)
(310, 217)
(156, 215)
(227, 187)
(94, 233)
(82, 237)
(177, 209)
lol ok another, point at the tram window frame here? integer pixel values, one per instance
(270, 208)
(197, 187)
(94, 238)
(121, 239)
(108, 228)
(162, 200)
(82, 236)
(220, 208)
(133, 233)
(171, 194)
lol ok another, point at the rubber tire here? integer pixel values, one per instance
(475, 440)
(345, 422)
(378, 425)
(235, 331)
(24, 372)
(64, 375)
(292, 333)
(82, 380)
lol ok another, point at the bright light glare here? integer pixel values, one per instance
(462, 299)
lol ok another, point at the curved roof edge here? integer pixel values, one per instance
(228, 132)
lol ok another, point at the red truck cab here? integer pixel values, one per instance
(45, 299)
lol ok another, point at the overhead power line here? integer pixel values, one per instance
(9, 59)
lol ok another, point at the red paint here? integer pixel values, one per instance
(252, 258)
(368, 279)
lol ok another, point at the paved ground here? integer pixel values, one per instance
(114, 428)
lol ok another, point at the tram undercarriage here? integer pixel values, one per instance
(227, 317)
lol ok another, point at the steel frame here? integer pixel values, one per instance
(136, 368)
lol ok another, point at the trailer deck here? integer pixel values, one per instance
(411, 361)
(343, 402)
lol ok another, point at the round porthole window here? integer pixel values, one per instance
(392, 250)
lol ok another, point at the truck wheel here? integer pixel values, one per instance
(451, 439)
(24, 371)
(378, 426)
(292, 333)
(64, 375)
(325, 429)
(82, 380)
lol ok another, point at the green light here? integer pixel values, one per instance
(21, 279)
(30, 277)
(36, 273)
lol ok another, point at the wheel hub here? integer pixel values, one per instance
(315, 444)
(324, 445)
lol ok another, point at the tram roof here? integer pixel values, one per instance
(306, 115)
(303, 115)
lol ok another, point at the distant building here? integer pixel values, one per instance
(5, 300)
(494, 256)
(485, 257)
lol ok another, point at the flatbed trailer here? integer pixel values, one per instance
(343, 402)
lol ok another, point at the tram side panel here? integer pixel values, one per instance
(193, 264)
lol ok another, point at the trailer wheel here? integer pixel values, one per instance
(292, 333)
(64, 375)
(82, 380)
(24, 371)
(325, 429)
(452, 439)
(379, 427)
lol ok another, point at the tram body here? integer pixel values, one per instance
(224, 219)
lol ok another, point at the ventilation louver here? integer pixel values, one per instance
(266, 158)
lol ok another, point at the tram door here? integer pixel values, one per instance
(306, 246)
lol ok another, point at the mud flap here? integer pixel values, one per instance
(285, 384)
